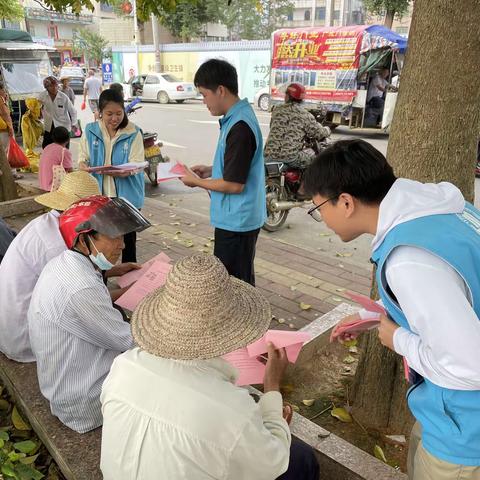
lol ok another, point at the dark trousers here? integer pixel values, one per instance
(129, 253)
(236, 250)
(48, 139)
(303, 464)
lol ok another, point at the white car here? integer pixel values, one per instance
(262, 99)
(161, 87)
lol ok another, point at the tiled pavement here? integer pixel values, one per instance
(287, 275)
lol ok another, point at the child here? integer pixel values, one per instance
(55, 154)
(426, 248)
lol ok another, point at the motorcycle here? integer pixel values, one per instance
(282, 189)
(152, 147)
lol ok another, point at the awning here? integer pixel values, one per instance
(25, 46)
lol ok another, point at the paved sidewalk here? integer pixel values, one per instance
(287, 275)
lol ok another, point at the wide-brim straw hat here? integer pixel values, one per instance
(74, 186)
(200, 313)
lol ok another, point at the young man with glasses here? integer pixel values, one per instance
(426, 249)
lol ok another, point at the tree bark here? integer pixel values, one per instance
(389, 16)
(434, 138)
(8, 189)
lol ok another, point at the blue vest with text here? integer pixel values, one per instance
(131, 188)
(450, 419)
(244, 211)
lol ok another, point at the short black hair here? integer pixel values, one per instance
(350, 166)
(112, 95)
(216, 72)
(117, 86)
(60, 135)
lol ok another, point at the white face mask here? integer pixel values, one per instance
(99, 260)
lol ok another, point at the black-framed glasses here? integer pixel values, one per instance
(314, 212)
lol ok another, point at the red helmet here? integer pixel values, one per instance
(109, 216)
(296, 91)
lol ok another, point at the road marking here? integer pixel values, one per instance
(211, 122)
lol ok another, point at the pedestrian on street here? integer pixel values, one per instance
(237, 178)
(92, 88)
(426, 249)
(67, 89)
(58, 110)
(172, 404)
(114, 140)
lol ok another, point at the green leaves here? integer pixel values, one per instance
(25, 447)
(341, 414)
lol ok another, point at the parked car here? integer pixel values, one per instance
(162, 87)
(262, 99)
(77, 78)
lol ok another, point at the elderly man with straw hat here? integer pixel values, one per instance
(171, 407)
(75, 332)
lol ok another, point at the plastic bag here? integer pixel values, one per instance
(58, 174)
(83, 106)
(16, 157)
(76, 132)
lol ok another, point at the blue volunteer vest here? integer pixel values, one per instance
(131, 188)
(450, 419)
(247, 210)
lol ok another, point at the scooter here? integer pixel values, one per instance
(282, 189)
(152, 147)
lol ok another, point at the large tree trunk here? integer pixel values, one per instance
(389, 16)
(434, 138)
(8, 189)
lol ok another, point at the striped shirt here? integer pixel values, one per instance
(75, 334)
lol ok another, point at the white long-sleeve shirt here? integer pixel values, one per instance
(75, 334)
(177, 420)
(444, 342)
(58, 112)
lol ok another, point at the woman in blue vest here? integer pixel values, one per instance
(426, 248)
(114, 140)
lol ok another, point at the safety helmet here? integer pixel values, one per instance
(112, 217)
(296, 91)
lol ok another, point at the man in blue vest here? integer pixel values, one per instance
(237, 178)
(426, 247)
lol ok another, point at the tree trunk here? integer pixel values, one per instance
(434, 138)
(8, 189)
(389, 16)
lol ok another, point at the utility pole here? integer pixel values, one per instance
(314, 8)
(156, 42)
(136, 35)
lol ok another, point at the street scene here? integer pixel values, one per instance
(239, 240)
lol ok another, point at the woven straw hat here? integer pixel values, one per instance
(200, 313)
(74, 186)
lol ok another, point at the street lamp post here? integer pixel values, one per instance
(135, 35)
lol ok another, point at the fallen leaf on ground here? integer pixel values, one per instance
(281, 320)
(346, 254)
(350, 343)
(353, 349)
(305, 306)
(342, 415)
(378, 452)
(308, 402)
(349, 359)
(18, 422)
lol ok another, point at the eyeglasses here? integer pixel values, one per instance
(314, 212)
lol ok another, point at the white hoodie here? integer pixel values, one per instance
(445, 341)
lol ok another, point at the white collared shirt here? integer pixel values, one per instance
(59, 112)
(177, 420)
(35, 245)
(75, 334)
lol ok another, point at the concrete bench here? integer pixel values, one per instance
(78, 456)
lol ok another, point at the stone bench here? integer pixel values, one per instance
(78, 456)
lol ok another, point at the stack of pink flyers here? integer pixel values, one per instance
(359, 326)
(169, 171)
(252, 370)
(151, 276)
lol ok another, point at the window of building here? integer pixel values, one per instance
(336, 15)
(31, 30)
(105, 7)
(306, 15)
(53, 32)
(290, 16)
(320, 13)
